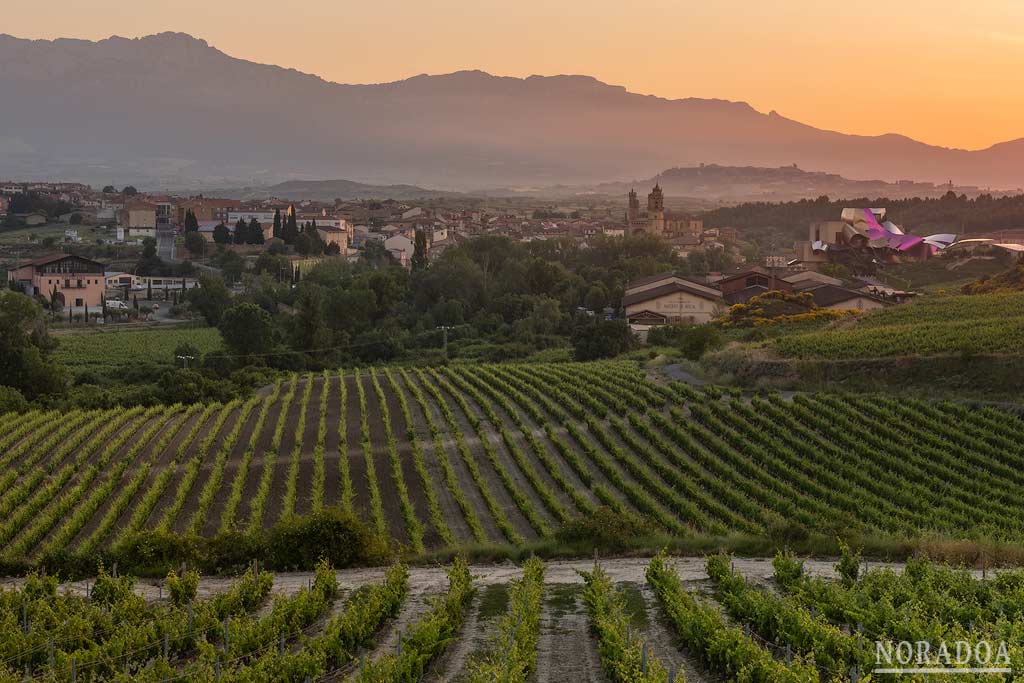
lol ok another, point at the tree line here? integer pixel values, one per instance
(949, 213)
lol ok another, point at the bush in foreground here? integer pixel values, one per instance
(605, 530)
(297, 543)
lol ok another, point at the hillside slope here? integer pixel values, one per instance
(506, 454)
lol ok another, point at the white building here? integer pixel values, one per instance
(401, 248)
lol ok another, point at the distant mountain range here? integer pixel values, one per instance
(725, 184)
(702, 186)
(328, 190)
(171, 111)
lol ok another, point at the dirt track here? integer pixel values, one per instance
(434, 579)
(567, 652)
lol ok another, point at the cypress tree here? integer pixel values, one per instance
(255, 232)
(419, 252)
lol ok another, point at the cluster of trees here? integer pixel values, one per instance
(547, 214)
(34, 202)
(27, 368)
(248, 233)
(244, 233)
(948, 213)
(150, 263)
(491, 299)
(306, 239)
(128, 190)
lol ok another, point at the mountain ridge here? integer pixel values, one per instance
(173, 110)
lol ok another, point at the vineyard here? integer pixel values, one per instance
(116, 348)
(955, 324)
(506, 454)
(658, 620)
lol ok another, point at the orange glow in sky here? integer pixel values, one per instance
(943, 72)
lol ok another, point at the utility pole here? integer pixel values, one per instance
(771, 259)
(184, 360)
(444, 329)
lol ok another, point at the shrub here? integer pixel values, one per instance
(849, 564)
(328, 534)
(12, 400)
(788, 569)
(605, 529)
(594, 339)
(147, 550)
(182, 589)
(109, 590)
(692, 340)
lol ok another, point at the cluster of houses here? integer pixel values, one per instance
(667, 298)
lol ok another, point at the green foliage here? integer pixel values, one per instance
(221, 234)
(327, 534)
(109, 590)
(511, 655)
(849, 564)
(247, 330)
(693, 340)
(427, 638)
(724, 648)
(605, 529)
(788, 569)
(211, 298)
(105, 350)
(195, 243)
(419, 254)
(182, 589)
(992, 323)
(786, 619)
(1011, 280)
(623, 654)
(597, 338)
(12, 400)
(25, 345)
(948, 213)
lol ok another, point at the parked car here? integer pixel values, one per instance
(116, 305)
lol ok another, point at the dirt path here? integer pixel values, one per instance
(664, 645)
(416, 606)
(472, 637)
(435, 580)
(566, 651)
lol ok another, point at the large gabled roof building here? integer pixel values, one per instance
(668, 298)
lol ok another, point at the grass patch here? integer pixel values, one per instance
(562, 597)
(493, 601)
(636, 606)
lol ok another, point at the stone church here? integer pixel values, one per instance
(655, 221)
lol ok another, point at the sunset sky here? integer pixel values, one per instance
(945, 72)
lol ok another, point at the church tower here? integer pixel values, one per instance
(634, 208)
(656, 210)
